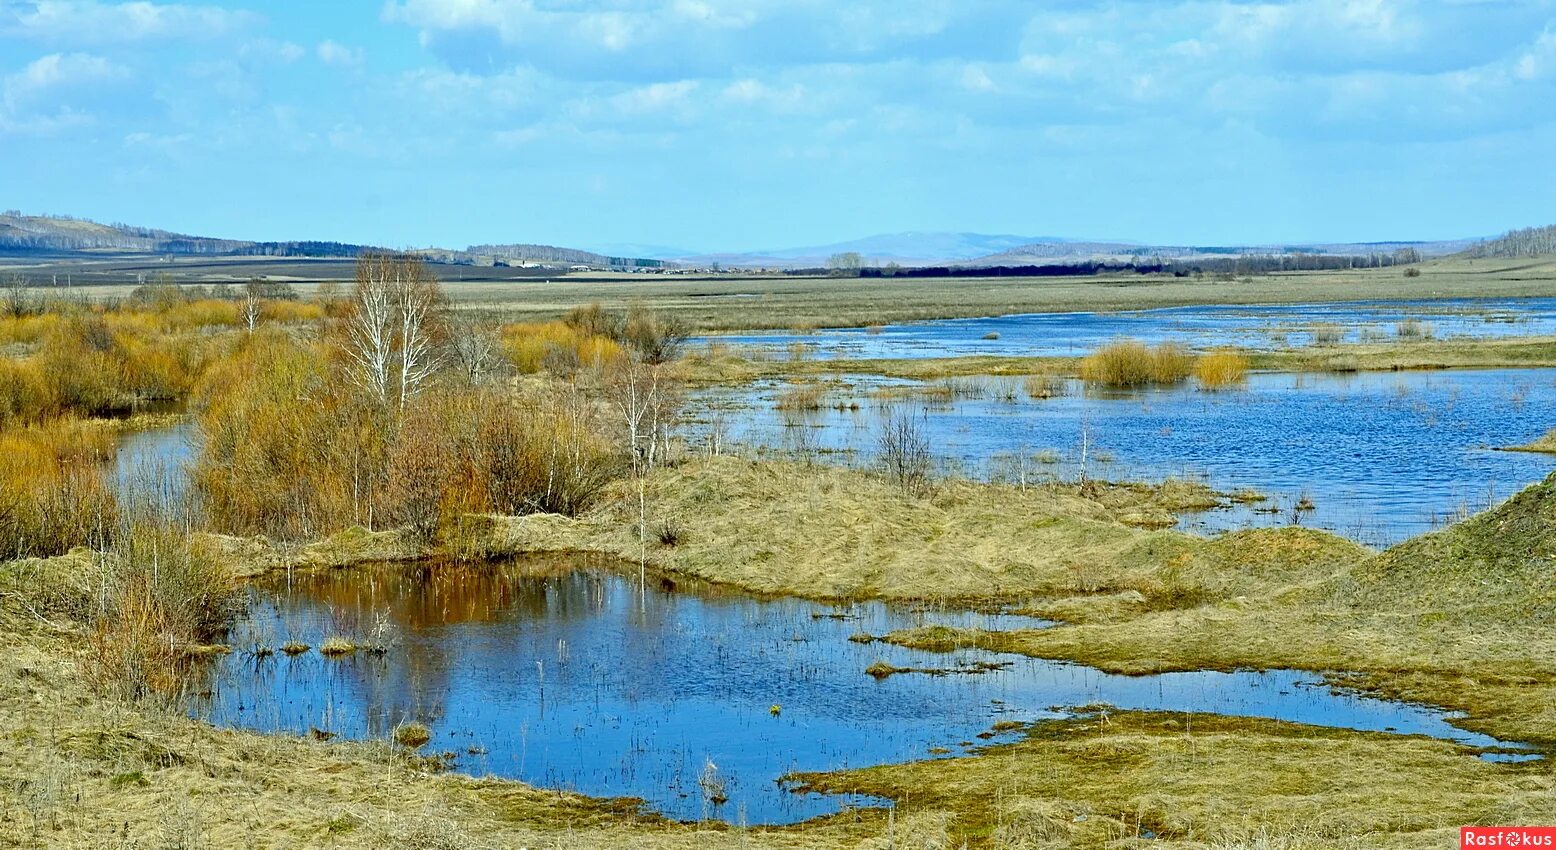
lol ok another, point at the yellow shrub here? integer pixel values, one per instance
(1223, 367)
(556, 346)
(53, 489)
(1129, 362)
(25, 395)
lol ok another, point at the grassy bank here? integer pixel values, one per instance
(824, 532)
(1458, 618)
(1120, 779)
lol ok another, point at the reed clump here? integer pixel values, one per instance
(801, 398)
(1040, 387)
(1128, 363)
(1221, 368)
(152, 601)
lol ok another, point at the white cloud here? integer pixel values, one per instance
(39, 97)
(93, 22)
(332, 52)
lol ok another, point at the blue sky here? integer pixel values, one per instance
(743, 124)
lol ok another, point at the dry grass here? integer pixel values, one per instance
(1129, 363)
(1413, 328)
(557, 347)
(786, 302)
(801, 398)
(1546, 443)
(1221, 369)
(53, 492)
(827, 532)
(1109, 779)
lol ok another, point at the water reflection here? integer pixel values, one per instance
(564, 673)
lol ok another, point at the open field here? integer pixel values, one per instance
(743, 302)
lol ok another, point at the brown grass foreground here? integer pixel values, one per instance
(92, 771)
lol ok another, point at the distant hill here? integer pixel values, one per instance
(986, 250)
(909, 249)
(1049, 251)
(64, 234)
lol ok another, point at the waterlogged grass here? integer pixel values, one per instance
(78, 768)
(1131, 363)
(1545, 444)
(1457, 618)
(1454, 619)
(1221, 369)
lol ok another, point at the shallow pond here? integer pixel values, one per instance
(1255, 327)
(1383, 455)
(564, 674)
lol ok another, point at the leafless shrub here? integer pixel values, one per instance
(905, 451)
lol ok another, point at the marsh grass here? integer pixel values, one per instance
(1328, 333)
(1041, 387)
(1221, 368)
(411, 735)
(1413, 328)
(54, 493)
(1129, 363)
(801, 398)
(337, 646)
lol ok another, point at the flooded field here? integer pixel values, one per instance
(1253, 327)
(1380, 456)
(564, 674)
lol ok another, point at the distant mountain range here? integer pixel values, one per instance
(62, 234)
(66, 235)
(921, 248)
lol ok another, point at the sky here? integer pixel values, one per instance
(711, 125)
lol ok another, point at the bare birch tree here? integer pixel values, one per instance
(392, 328)
(474, 348)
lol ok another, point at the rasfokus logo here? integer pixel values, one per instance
(1507, 836)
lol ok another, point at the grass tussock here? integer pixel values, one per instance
(1041, 387)
(1221, 369)
(1129, 363)
(1413, 328)
(802, 398)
